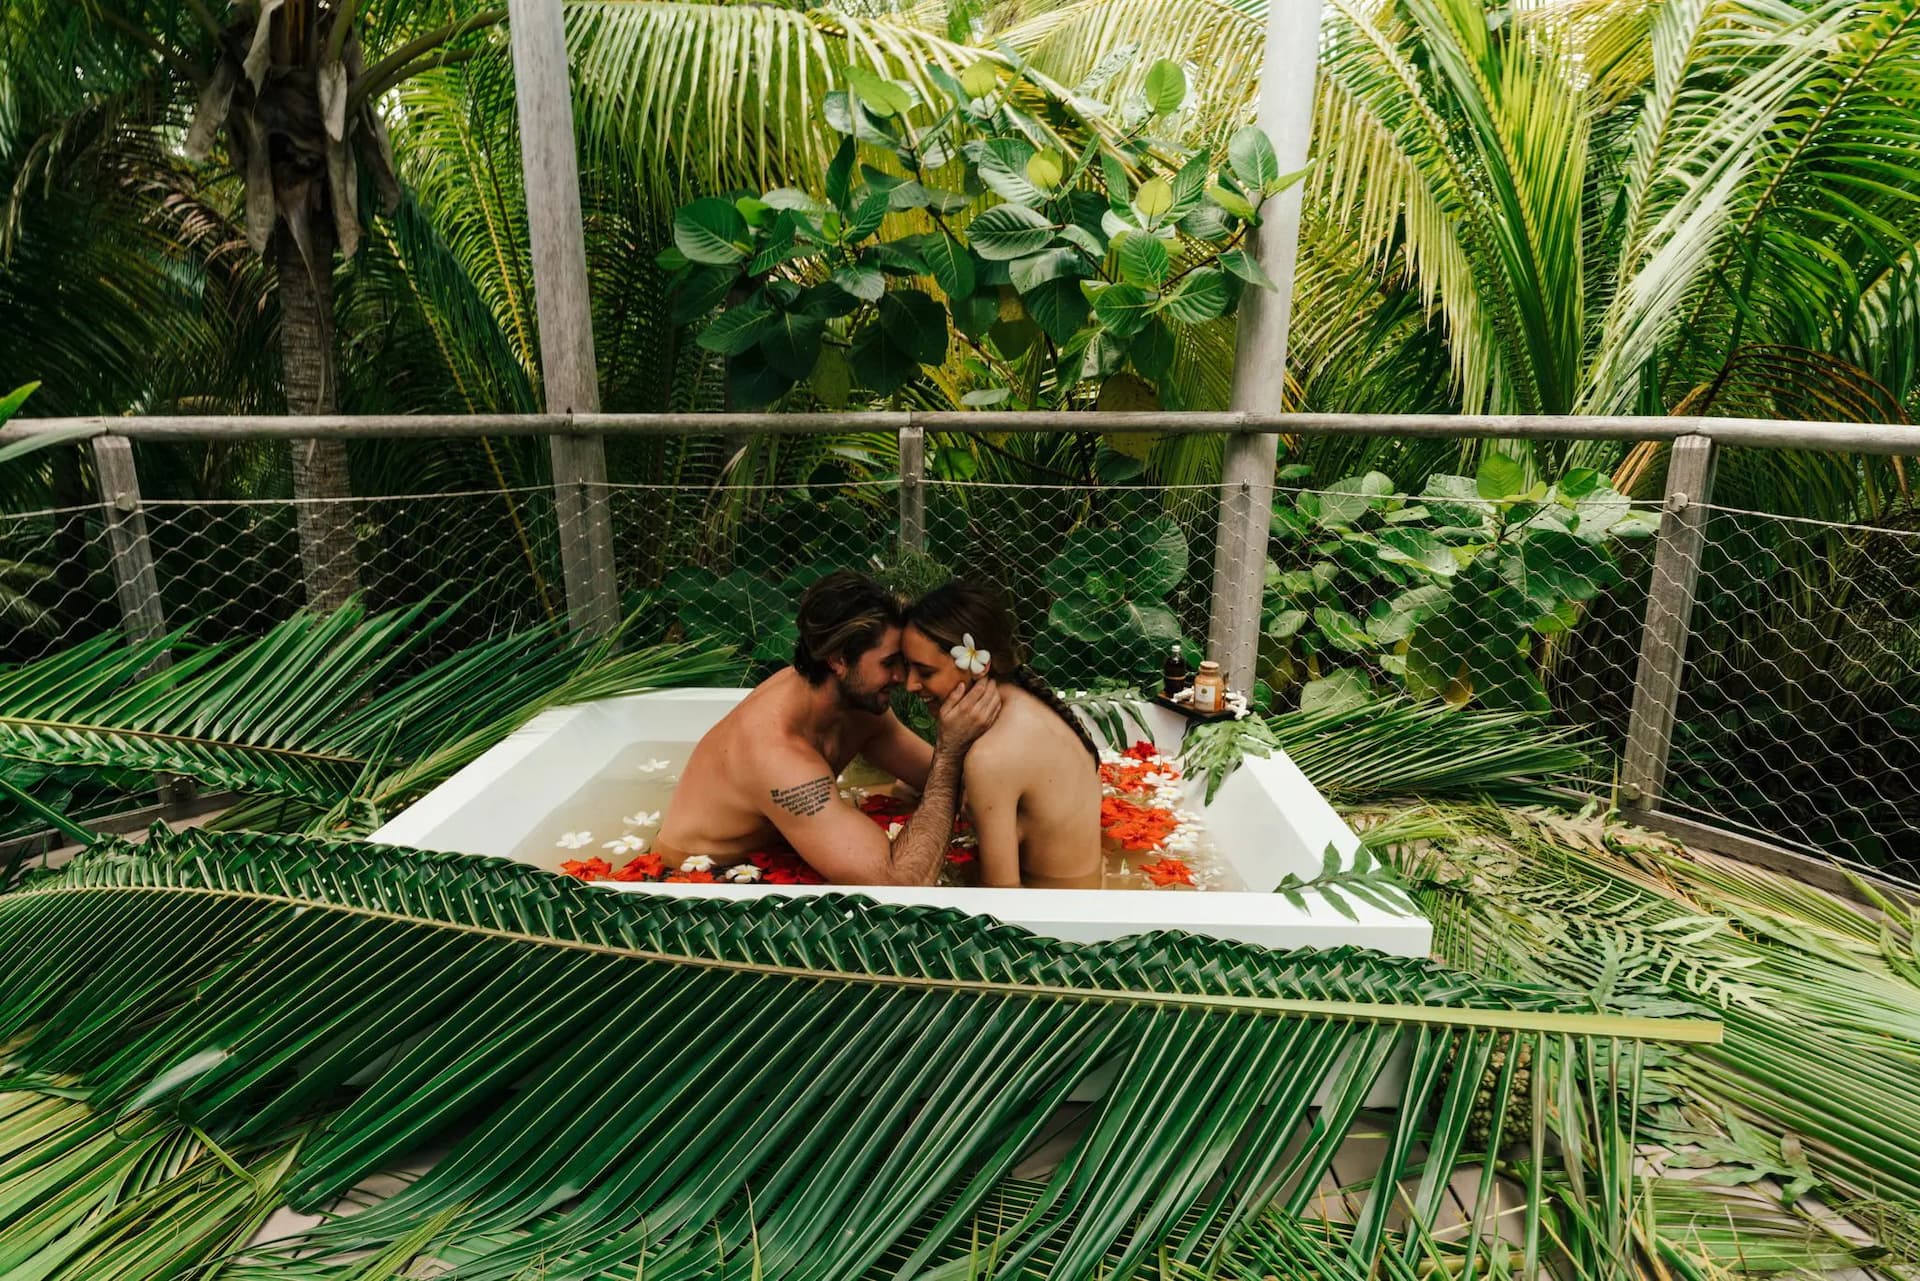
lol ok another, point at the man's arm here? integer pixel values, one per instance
(900, 752)
(842, 844)
(993, 799)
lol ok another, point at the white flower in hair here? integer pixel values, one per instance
(574, 840)
(969, 659)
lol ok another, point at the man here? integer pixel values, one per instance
(765, 775)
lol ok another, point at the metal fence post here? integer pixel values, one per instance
(1663, 639)
(544, 93)
(913, 489)
(1291, 58)
(135, 584)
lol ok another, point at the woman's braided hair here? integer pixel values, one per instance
(959, 608)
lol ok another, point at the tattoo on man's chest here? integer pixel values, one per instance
(804, 799)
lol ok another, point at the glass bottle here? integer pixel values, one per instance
(1209, 688)
(1174, 674)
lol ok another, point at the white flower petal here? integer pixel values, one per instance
(966, 638)
(696, 863)
(959, 653)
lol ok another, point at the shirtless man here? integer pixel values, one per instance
(1033, 779)
(765, 775)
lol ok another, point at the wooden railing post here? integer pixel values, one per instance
(913, 490)
(571, 385)
(135, 584)
(1260, 358)
(1663, 639)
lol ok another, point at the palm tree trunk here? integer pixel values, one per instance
(329, 565)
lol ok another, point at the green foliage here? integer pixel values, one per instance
(11, 402)
(335, 714)
(1044, 289)
(1109, 587)
(1447, 593)
(1363, 876)
(1396, 747)
(878, 1075)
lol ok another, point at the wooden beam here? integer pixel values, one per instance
(1822, 872)
(135, 584)
(1285, 112)
(569, 378)
(913, 489)
(1663, 639)
(1745, 433)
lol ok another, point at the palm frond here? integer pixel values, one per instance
(1822, 1050)
(320, 709)
(879, 1073)
(1114, 42)
(1399, 748)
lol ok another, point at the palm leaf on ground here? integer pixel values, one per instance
(879, 1072)
(1822, 1049)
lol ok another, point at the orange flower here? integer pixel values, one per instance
(593, 869)
(1168, 871)
(1134, 826)
(647, 867)
(691, 878)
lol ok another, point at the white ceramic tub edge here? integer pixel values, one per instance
(1268, 806)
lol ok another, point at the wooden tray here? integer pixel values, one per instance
(1202, 718)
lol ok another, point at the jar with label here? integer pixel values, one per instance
(1209, 688)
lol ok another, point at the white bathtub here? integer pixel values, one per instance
(1267, 821)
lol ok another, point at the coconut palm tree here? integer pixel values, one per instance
(289, 95)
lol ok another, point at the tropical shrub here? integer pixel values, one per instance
(1448, 593)
(1077, 280)
(1109, 590)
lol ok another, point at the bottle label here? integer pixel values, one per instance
(1206, 696)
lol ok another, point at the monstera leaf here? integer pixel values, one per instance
(739, 609)
(1110, 586)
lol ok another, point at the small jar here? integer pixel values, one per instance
(1209, 688)
(1174, 674)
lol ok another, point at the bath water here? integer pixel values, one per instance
(616, 814)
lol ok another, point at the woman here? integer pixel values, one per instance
(1033, 779)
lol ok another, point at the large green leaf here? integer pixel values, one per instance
(825, 1080)
(1009, 231)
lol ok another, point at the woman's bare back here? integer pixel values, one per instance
(1031, 779)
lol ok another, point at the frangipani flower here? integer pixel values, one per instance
(969, 659)
(742, 874)
(628, 844)
(696, 863)
(574, 840)
(654, 766)
(645, 818)
(894, 829)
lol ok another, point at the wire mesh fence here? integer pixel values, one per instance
(1799, 715)
(1102, 580)
(1798, 719)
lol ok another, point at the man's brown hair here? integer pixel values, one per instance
(841, 616)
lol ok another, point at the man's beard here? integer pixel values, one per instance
(875, 702)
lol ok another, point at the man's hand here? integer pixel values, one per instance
(968, 712)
